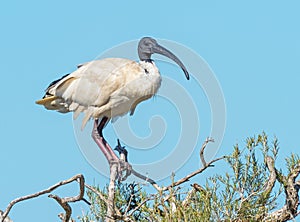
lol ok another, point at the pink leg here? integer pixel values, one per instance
(100, 141)
(107, 150)
(111, 152)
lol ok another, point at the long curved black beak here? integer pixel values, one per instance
(163, 51)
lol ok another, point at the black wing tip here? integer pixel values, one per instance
(57, 80)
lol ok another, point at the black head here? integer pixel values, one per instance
(148, 46)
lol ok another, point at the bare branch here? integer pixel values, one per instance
(208, 140)
(272, 178)
(185, 179)
(65, 205)
(49, 190)
(291, 188)
(129, 203)
(110, 214)
(147, 179)
(188, 177)
(204, 167)
(64, 202)
(140, 205)
(62, 217)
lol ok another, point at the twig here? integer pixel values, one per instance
(204, 163)
(140, 205)
(208, 140)
(100, 195)
(129, 203)
(147, 179)
(49, 190)
(186, 178)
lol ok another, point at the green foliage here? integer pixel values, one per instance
(242, 196)
(127, 198)
(97, 208)
(292, 162)
(243, 193)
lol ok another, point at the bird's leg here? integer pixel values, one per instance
(109, 154)
(101, 125)
(100, 128)
(101, 142)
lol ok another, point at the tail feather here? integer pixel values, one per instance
(52, 99)
(58, 97)
(78, 111)
(46, 101)
(53, 103)
(88, 114)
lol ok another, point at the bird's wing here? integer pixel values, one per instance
(90, 85)
(94, 82)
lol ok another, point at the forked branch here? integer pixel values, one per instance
(291, 188)
(62, 201)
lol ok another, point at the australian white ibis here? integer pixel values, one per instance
(107, 88)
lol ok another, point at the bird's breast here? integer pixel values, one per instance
(138, 89)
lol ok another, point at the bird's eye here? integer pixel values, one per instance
(147, 43)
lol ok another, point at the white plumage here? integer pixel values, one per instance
(109, 87)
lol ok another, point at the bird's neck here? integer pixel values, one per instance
(148, 60)
(150, 67)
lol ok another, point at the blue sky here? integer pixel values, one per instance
(253, 49)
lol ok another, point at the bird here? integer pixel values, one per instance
(108, 88)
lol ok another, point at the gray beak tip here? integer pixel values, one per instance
(165, 52)
(187, 75)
